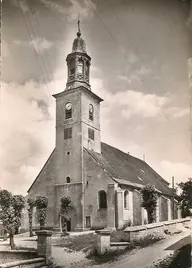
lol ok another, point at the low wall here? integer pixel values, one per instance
(13, 255)
(159, 228)
(132, 234)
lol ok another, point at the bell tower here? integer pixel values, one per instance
(77, 116)
(78, 63)
(77, 128)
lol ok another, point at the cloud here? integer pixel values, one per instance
(180, 170)
(27, 136)
(178, 112)
(133, 103)
(5, 49)
(84, 8)
(39, 44)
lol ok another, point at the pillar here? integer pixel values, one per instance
(44, 244)
(120, 206)
(169, 210)
(111, 207)
(157, 210)
(103, 241)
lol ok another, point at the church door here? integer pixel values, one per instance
(69, 225)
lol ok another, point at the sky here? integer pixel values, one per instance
(139, 50)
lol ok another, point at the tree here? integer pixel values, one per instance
(31, 205)
(41, 205)
(64, 208)
(10, 217)
(149, 202)
(185, 198)
(18, 203)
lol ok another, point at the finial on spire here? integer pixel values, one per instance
(79, 31)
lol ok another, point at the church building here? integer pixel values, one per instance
(102, 182)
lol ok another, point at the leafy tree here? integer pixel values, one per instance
(64, 208)
(149, 202)
(41, 205)
(31, 205)
(10, 217)
(18, 203)
(185, 198)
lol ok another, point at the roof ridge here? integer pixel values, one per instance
(41, 171)
(142, 161)
(99, 162)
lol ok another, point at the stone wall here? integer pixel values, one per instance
(163, 209)
(74, 191)
(95, 179)
(44, 186)
(157, 229)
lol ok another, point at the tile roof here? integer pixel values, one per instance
(126, 169)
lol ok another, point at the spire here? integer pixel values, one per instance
(78, 27)
(79, 44)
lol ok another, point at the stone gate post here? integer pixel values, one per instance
(44, 244)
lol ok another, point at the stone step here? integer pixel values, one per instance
(119, 244)
(36, 262)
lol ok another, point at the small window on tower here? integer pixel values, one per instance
(68, 110)
(68, 133)
(87, 68)
(91, 112)
(72, 66)
(90, 133)
(68, 179)
(80, 66)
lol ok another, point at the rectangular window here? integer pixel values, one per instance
(90, 133)
(68, 133)
(88, 222)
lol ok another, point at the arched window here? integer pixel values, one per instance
(91, 112)
(72, 66)
(126, 199)
(68, 110)
(102, 199)
(87, 68)
(68, 180)
(80, 66)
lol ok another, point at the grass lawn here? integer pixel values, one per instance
(76, 243)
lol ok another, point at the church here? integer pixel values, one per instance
(102, 182)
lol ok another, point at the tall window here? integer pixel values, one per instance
(91, 134)
(68, 180)
(102, 199)
(72, 66)
(126, 199)
(80, 66)
(68, 133)
(91, 112)
(68, 110)
(87, 68)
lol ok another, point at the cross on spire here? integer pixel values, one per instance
(78, 26)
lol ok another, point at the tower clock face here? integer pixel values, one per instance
(68, 106)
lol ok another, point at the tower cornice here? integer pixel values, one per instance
(80, 88)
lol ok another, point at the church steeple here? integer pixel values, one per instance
(78, 63)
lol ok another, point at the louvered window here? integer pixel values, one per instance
(68, 133)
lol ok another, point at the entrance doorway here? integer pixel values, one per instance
(69, 225)
(88, 222)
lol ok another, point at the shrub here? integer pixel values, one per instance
(149, 202)
(41, 205)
